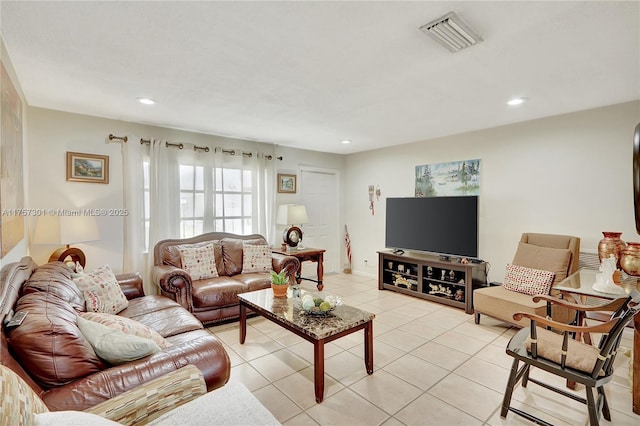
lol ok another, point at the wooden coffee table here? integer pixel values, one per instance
(342, 321)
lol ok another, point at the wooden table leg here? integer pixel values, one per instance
(636, 364)
(243, 323)
(368, 347)
(320, 271)
(318, 369)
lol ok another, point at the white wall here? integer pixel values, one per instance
(568, 174)
(53, 133)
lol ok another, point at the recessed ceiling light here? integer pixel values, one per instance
(345, 142)
(516, 101)
(147, 101)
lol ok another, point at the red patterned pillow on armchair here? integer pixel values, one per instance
(527, 280)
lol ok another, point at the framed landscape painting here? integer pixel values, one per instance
(87, 167)
(286, 183)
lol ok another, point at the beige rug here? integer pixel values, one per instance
(230, 405)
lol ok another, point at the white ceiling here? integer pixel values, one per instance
(310, 74)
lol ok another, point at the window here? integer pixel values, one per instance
(228, 208)
(191, 200)
(233, 197)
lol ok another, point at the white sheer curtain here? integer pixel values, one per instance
(134, 258)
(163, 208)
(263, 184)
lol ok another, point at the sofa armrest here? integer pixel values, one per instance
(174, 283)
(154, 398)
(291, 264)
(131, 284)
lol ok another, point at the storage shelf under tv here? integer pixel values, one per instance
(429, 277)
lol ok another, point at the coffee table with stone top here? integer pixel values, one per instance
(343, 320)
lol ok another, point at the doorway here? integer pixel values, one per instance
(319, 191)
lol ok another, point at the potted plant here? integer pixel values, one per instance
(279, 283)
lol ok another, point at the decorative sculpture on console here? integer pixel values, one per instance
(604, 279)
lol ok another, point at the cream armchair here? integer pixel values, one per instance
(555, 253)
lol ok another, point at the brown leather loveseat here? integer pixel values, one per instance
(50, 353)
(215, 299)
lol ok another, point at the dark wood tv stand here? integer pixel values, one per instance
(427, 276)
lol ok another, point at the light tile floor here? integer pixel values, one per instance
(433, 366)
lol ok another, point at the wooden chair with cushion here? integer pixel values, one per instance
(558, 254)
(556, 352)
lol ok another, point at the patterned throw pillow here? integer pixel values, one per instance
(255, 258)
(527, 280)
(20, 403)
(101, 290)
(199, 262)
(126, 325)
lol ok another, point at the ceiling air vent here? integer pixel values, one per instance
(451, 32)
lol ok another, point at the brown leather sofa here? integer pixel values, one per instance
(213, 300)
(51, 355)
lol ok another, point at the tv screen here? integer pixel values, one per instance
(442, 225)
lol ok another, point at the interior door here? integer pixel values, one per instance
(319, 191)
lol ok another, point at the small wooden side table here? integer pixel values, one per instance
(306, 254)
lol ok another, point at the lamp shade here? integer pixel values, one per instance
(290, 214)
(65, 230)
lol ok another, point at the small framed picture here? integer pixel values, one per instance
(286, 183)
(87, 167)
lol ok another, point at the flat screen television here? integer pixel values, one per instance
(447, 226)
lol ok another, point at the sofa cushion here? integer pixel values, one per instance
(222, 291)
(232, 254)
(527, 280)
(49, 343)
(498, 302)
(555, 260)
(126, 325)
(54, 278)
(113, 345)
(161, 314)
(102, 291)
(255, 257)
(198, 261)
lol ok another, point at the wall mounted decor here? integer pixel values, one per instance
(286, 183)
(448, 179)
(11, 178)
(87, 167)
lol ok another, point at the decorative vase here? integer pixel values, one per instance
(630, 259)
(611, 244)
(279, 290)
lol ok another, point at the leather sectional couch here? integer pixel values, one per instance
(52, 356)
(214, 299)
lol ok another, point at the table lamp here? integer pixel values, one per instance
(291, 215)
(66, 230)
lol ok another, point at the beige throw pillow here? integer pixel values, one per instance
(126, 325)
(113, 346)
(255, 257)
(101, 290)
(544, 258)
(198, 261)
